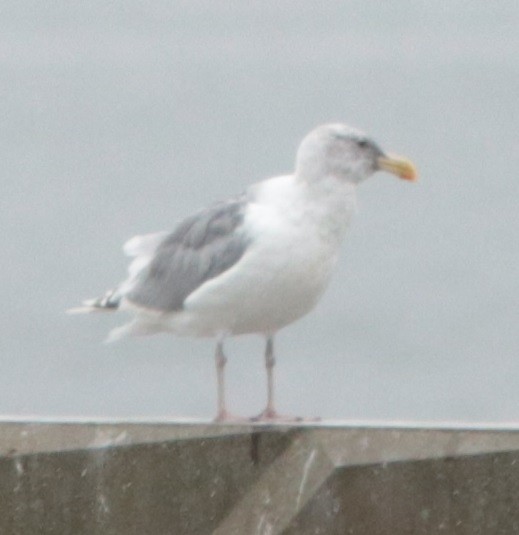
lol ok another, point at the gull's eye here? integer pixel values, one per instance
(362, 143)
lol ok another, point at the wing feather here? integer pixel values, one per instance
(202, 247)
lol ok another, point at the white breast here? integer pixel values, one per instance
(295, 239)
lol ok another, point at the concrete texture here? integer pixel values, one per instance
(144, 478)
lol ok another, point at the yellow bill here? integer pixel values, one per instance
(399, 166)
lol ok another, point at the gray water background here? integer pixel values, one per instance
(120, 118)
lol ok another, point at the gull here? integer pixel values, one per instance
(256, 262)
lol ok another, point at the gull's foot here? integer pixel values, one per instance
(227, 417)
(270, 415)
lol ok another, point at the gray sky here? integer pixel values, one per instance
(121, 118)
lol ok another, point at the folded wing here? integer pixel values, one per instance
(169, 267)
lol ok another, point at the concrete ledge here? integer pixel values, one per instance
(180, 478)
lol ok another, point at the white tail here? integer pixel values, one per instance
(108, 303)
(87, 309)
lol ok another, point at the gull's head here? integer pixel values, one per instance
(343, 152)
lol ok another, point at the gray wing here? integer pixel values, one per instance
(202, 247)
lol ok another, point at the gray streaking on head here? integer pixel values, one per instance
(255, 263)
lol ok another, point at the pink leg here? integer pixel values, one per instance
(270, 362)
(270, 414)
(221, 361)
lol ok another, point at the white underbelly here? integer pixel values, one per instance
(274, 284)
(294, 247)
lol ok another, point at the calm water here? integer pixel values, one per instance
(121, 118)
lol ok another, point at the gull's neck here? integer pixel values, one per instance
(326, 185)
(330, 202)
